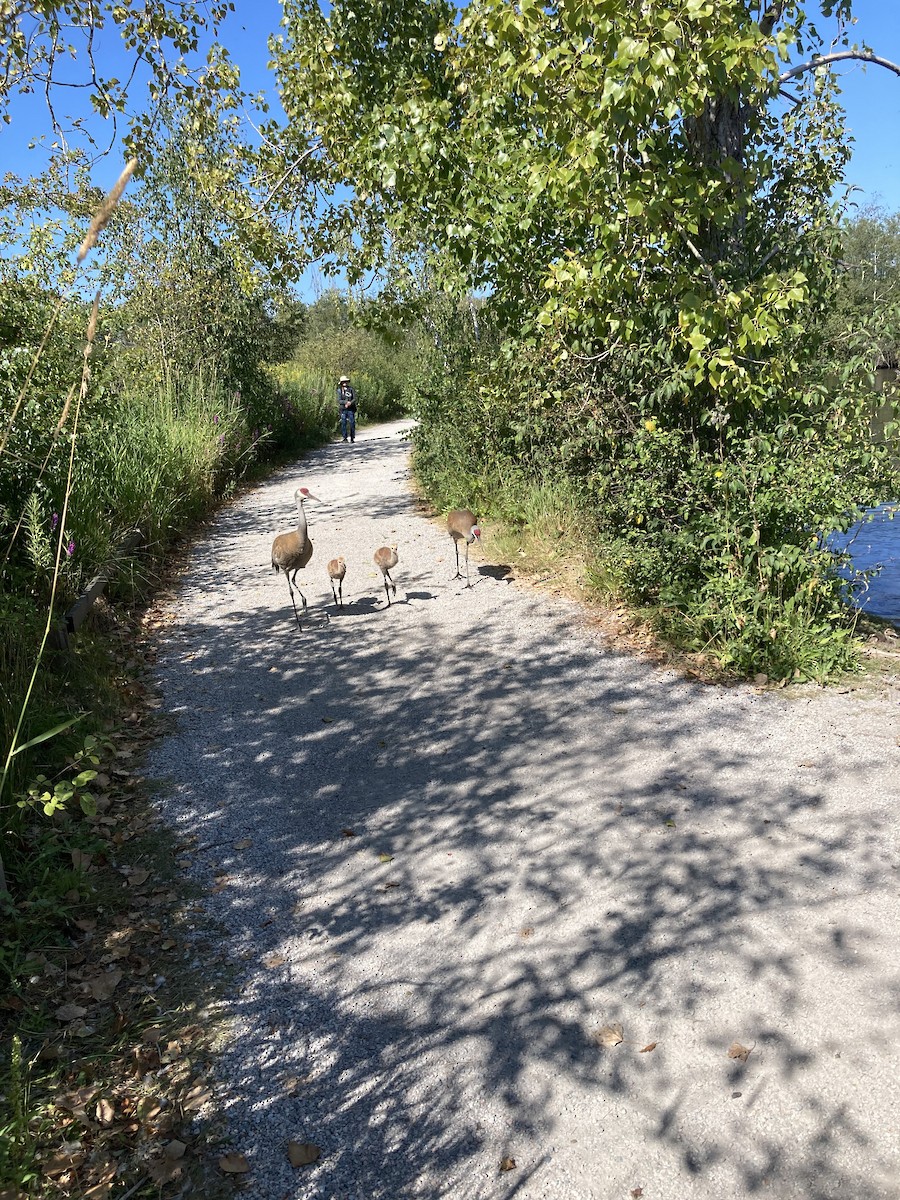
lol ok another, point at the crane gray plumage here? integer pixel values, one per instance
(292, 551)
(337, 569)
(385, 558)
(462, 525)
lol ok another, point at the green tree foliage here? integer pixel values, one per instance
(652, 222)
(867, 297)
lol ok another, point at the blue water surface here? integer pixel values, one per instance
(875, 542)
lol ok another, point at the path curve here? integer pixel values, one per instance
(575, 838)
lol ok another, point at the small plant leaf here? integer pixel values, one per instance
(45, 737)
(508, 1163)
(739, 1052)
(646, 1049)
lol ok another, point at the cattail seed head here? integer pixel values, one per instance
(105, 211)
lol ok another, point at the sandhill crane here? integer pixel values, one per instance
(337, 569)
(292, 551)
(463, 527)
(385, 558)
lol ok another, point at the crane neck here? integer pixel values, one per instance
(301, 520)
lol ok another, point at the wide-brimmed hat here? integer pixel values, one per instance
(344, 379)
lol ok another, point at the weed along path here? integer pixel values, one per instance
(459, 848)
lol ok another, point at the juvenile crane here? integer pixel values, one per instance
(385, 558)
(292, 551)
(463, 527)
(337, 569)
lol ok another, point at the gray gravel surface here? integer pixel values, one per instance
(576, 837)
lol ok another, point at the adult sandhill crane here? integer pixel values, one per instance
(337, 569)
(292, 551)
(463, 526)
(385, 558)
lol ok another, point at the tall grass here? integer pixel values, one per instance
(155, 461)
(313, 390)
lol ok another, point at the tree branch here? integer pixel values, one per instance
(298, 162)
(824, 60)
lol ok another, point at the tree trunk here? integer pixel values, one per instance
(716, 138)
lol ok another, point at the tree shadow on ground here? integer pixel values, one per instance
(466, 862)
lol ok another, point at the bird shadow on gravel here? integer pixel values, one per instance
(465, 860)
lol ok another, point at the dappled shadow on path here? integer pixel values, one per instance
(469, 857)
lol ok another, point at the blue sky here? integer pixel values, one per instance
(871, 96)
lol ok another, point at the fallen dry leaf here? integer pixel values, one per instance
(637, 1193)
(164, 1170)
(234, 1164)
(741, 1053)
(527, 931)
(347, 833)
(385, 858)
(302, 1154)
(102, 987)
(273, 960)
(646, 1049)
(196, 1097)
(105, 1111)
(243, 844)
(138, 877)
(100, 1191)
(507, 1164)
(175, 1149)
(608, 1035)
(148, 1109)
(69, 1012)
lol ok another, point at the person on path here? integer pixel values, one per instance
(346, 398)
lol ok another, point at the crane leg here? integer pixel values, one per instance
(393, 585)
(458, 574)
(294, 602)
(468, 584)
(334, 593)
(341, 592)
(299, 593)
(386, 592)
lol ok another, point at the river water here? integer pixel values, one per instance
(876, 542)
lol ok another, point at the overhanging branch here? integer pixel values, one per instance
(824, 60)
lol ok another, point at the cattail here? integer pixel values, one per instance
(92, 325)
(105, 211)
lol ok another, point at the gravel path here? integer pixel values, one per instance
(575, 838)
